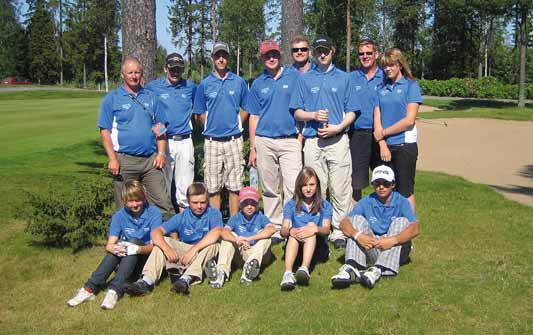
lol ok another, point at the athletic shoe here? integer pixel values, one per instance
(251, 269)
(288, 283)
(339, 243)
(219, 280)
(210, 270)
(82, 296)
(110, 300)
(138, 288)
(347, 275)
(371, 276)
(182, 285)
(302, 276)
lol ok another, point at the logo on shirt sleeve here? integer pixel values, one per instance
(315, 89)
(231, 92)
(212, 95)
(126, 106)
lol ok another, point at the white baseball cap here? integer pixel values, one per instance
(383, 172)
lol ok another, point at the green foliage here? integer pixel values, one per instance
(74, 218)
(486, 87)
(12, 32)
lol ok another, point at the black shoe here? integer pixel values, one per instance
(137, 289)
(276, 240)
(181, 286)
(339, 243)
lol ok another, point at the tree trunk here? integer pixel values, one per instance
(189, 41)
(348, 35)
(523, 59)
(292, 23)
(214, 27)
(139, 34)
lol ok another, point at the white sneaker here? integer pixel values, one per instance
(302, 276)
(347, 275)
(110, 300)
(371, 276)
(82, 296)
(288, 283)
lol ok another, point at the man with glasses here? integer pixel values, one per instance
(218, 101)
(127, 118)
(379, 229)
(365, 80)
(274, 147)
(300, 54)
(176, 96)
(324, 100)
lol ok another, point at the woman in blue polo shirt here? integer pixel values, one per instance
(395, 130)
(304, 217)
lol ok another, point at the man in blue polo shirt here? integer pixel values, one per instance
(127, 116)
(300, 53)
(274, 147)
(366, 80)
(176, 96)
(218, 101)
(198, 228)
(379, 228)
(324, 100)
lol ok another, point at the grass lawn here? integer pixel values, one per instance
(472, 269)
(477, 109)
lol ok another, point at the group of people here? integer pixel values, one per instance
(313, 128)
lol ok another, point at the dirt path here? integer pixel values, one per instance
(492, 152)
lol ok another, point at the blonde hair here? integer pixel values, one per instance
(196, 188)
(133, 190)
(395, 56)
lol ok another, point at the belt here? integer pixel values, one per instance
(282, 136)
(180, 137)
(362, 130)
(223, 139)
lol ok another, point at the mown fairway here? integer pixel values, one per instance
(472, 269)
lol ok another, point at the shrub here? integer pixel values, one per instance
(75, 218)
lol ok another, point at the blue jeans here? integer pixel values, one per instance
(109, 263)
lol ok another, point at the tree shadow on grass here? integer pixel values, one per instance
(515, 189)
(94, 168)
(526, 171)
(463, 104)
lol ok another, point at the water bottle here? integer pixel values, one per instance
(254, 179)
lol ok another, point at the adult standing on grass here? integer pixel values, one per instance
(176, 96)
(394, 121)
(379, 229)
(324, 100)
(218, 101)
(274, 146)
(127, 116)
(366, 80)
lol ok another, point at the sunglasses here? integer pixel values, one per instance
(367, 53)
(383, 183)
(299, 49)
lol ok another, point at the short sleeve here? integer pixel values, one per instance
(358, 209)
(407, 211)
(414, 94)
(244, 94)
(252, 104)
(297, 96)
(233, 221)
(115, 228)
(264, 221)
(215, 219)
(327, 210)
(105, 117)
(351, 99)
(156, 219)
(172, 224)
(199, 106)
(160, 115)
(288, 210)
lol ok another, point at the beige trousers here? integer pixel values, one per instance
(278, 163)
(157, 260)
(331, 159)
(227, 251)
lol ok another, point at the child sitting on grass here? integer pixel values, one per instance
(249, 231)
(304, 217)
(129, 237)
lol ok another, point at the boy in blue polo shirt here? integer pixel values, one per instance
(132, 226)
(198, 228)
(324, 100)
(378, 228)
(249, 231)
(218, 101)
(176, 96)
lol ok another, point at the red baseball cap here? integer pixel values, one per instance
(267, 46)
(249, 192)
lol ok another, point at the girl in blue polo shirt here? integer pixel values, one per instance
(131, 225)
(394, 121)
(304, 217)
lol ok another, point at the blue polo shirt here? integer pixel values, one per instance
(269, 99)
(176, 102)
(393, 101)
(130, 118)
(244, 227)
(366, 91)
(192, 228)
(221, 99)
(295, 68)
(380, 215)
(125, 226)
(329, 90)
(302, 218)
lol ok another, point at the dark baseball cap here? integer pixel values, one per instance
(174, 60)
(218, 46)
(322, 41)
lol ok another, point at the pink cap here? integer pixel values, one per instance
(267, 46)
(249, 192)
